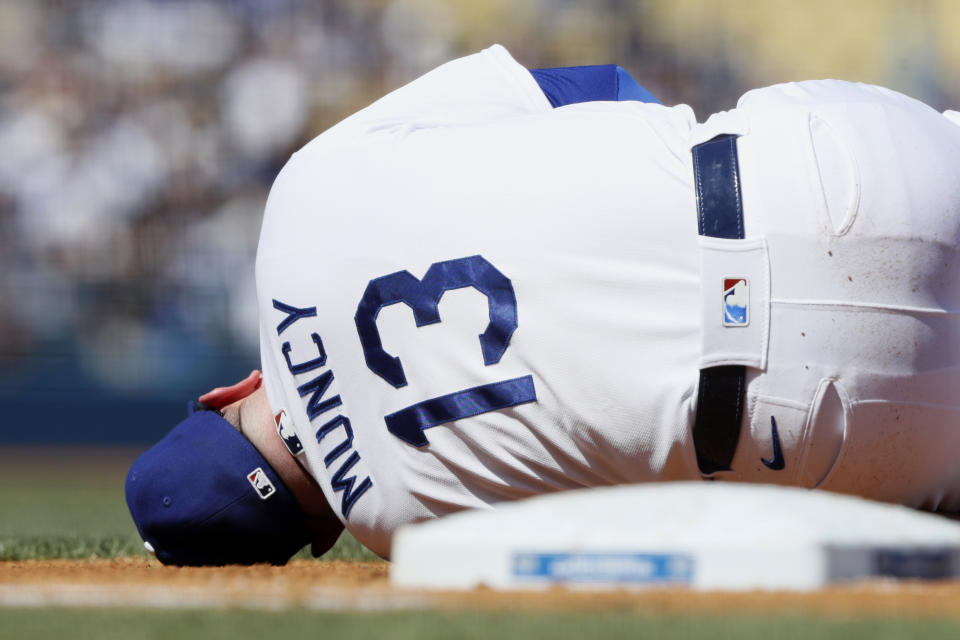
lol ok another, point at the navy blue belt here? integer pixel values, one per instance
(716, 427)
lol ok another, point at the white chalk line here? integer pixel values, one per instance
(52, 594)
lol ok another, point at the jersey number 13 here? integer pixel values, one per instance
(423, 298)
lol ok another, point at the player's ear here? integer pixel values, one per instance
(222, 396)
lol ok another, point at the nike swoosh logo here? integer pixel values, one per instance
(776, 462)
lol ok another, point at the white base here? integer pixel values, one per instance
(701, 535)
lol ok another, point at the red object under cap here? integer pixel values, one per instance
(222, 396)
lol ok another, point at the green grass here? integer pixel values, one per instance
(417, 625)
(70, 504)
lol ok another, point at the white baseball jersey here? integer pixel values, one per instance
(467, 296)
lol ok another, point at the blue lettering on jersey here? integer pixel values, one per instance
(316, 405)
(309, 365)
(293, 314)
(342, 483)
(316, 388)
(322, 432)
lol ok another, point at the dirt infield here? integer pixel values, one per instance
(352, 586)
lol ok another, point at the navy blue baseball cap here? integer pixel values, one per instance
(204, 495)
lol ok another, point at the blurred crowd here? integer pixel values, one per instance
(137, 142)
(139, 138)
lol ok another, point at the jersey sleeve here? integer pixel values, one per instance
(477, 88)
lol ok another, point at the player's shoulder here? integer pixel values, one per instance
(480, 87)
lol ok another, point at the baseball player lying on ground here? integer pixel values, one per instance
(770, 296)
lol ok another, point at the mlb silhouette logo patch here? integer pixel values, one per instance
(736, 302)
(259, 481)
(287, 434)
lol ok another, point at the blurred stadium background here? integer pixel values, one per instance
(139, 138)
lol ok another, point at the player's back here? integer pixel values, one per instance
(563, 238)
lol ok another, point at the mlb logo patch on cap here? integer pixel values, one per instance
(259, 480)
(736, 302)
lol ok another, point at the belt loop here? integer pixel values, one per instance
(716, 427)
